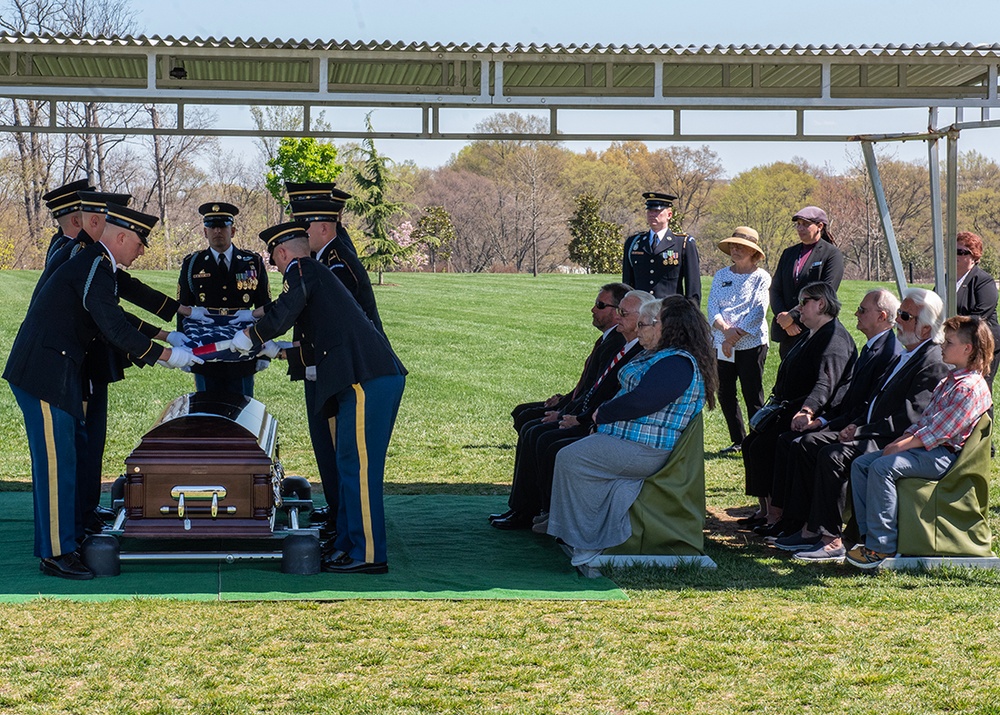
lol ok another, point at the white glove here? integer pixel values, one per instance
(244, 315)
(270, 349)
(284, 344)
(261, 365)
(241, 343)
(182, 357)
(311, 373)
(199, 314)
(176, 339)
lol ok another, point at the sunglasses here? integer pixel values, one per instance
(806, 300)
(600, 305)
(904, 316)
(964, 252)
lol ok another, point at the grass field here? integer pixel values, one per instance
(759, 634)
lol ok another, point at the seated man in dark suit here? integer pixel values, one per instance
(540, 439)
(605, 319)
(820, 465)
(876, 317)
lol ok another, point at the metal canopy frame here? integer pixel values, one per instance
(558, 80)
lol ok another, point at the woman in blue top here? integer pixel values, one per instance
(598, 478)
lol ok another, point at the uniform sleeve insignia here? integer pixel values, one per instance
(284, 286)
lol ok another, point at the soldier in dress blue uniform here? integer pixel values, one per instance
(227, 280)
(103, 363)
(46, 374)
(660, 261)
(358, 383)
(322, 218)
(64, 203)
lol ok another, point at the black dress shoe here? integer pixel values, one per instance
(319, 515)
(517, 520)
(732, 449)
(327, 532)
(105, 514)
(751, 522)
(329, 548)
(349, 565)
(494, 517)
(66, 566)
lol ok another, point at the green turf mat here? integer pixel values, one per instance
(440, 547)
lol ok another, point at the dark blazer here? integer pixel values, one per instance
(826, 264)
(105, 364)
(978, 296)
(583, 407)
(814, 368)
(76, 304)
(673, 268)
(900, 401)
(58, 240)
(868, 370)
(244, 285)
(347, 347)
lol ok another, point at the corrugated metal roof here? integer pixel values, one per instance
(796, 50)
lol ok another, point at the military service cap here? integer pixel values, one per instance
(97, 201)
(308, 190)
(218, 213)
(317, 210)
(657, 201)
(131, 219)
(276, 235)
(65, 199)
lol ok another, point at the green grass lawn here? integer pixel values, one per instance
(759, 634)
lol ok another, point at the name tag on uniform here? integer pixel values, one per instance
(202, 275)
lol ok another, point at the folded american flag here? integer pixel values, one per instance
(210, 341)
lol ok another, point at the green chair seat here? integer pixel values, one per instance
(668, 518)
(949, 517)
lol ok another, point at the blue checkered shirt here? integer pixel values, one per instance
(662, 428)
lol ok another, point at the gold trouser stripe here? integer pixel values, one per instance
(53, 467)
(359, 438)
(332, 422)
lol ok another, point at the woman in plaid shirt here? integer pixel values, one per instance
(928, 448)
(597, 479)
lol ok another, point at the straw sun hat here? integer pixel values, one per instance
(742, 236)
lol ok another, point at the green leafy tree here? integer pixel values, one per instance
(298, 160)
(596, 243)
(374, 180)
(435, 232)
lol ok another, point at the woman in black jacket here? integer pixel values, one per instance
(815, 258)
(807, 381)
(977, 291)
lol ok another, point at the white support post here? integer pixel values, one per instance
(883, 214)
(941, 277)
(658, 80)
(497, 80)
(151, 70)
(324, 75)
(950, 244)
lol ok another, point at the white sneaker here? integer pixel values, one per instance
(832, 553)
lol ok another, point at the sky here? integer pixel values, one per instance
(624, 22)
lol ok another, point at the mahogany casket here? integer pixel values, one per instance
(206, 468)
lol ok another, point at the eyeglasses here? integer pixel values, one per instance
(964, 252)
(861, 310)
(805, 300)
(640, 324)
(600, 305)
(622, 312)
(904, 316)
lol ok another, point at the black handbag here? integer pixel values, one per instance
(766, 416)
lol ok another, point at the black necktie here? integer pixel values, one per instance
(223, 270)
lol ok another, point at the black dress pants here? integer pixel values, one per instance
(748, 368)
